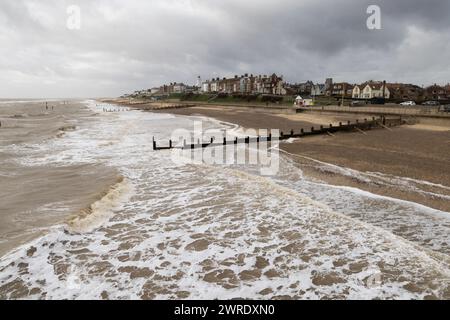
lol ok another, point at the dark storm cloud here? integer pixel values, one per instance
(127, 45)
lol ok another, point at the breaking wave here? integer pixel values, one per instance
(101, 210)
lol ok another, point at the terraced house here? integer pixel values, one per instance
(437, 93)
(370, 90)
(405, 92)
(246, 84)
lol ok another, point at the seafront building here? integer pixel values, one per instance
(245, 84)
(371, 90)
(249, 84)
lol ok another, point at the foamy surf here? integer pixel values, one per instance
(100, 211)
(206, 232)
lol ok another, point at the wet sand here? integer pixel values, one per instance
(418, 151)
(261, 120)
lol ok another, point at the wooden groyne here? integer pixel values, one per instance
(381, 122)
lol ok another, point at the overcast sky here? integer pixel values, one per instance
(127, 45)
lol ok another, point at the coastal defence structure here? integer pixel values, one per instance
(361, 126)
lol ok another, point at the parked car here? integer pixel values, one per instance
(357, 103)
(408, 103)
(431, 103)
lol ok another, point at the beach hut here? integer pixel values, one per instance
(300, 101)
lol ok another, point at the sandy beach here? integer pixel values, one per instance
(418, 151)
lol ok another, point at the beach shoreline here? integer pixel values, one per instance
(305, 238)
(416, 153)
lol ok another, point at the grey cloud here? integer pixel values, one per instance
(127, 45)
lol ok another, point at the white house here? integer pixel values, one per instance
(214, 86)
(179, 88)
(206, 87)
(371, 90)
(318, 90)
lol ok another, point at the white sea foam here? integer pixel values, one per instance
(203, 231)
(100, 211)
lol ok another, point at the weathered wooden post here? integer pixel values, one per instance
(224, 141)
(348, 122)
(212, 140)
(340, 124)
(235, 140)
(154, 145)
(184, 143)
(357, 121)
(302, 131)
(292, 132)
(270, 137)
(247, 140)
(257, 139)
(281, 134)
(170, 144)
(312, 129)
(331, 125)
